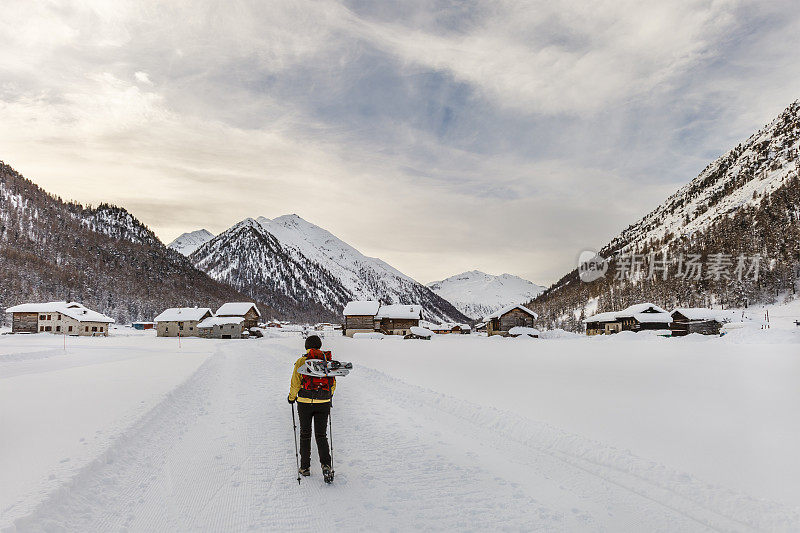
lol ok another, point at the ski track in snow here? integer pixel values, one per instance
(217, 455)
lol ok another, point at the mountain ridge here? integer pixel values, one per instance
(103, 257)
(188, 242)
(744, 204)
(338, 272)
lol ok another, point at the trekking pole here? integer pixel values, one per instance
(296, 453)
(330, 424)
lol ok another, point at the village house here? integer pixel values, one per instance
(62, 318)
(181, 321)
(686, 320)
(645, 316)
(223, 327)
(359, 317)
(500, 322)
(638, 317)
(602, 324)
(397, 319)
(248, 311)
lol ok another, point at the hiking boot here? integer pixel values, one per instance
(305, 472)
(327, 474)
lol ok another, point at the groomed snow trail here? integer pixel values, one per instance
(217, 455)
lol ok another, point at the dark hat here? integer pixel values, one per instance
(313, 343)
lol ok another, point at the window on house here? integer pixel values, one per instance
(58, 328)
(59, 317)
(41, 328)
(101, 329)
(49, 317)
(86, 329)
(70, 329)
(48, 328)
(191, 329)
(94, 328)
(42, 317)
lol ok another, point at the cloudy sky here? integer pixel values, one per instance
(441, 136)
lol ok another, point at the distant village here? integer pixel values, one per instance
(365, 319)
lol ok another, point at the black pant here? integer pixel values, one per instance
(318, 412)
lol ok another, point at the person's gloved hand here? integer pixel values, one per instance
(289, 399)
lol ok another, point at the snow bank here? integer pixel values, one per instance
(723, 409)
(523, 331)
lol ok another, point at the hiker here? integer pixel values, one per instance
(314, 397)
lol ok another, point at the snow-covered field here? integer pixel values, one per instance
(623, 433)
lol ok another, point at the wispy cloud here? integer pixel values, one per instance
(501, 135)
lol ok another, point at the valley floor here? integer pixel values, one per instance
(459, 433)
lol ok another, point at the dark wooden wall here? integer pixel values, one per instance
(25, 323)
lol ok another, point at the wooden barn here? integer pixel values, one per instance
(181, 321)
(248, 311)
(397, 319)
(359, 317)
(500, 322)
(686, 320)
(61, 318)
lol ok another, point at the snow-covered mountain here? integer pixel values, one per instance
(477, 294)
(745, 204)
(311, 266)
(743, 177)
(187, 243)
(103, 257)
(252, 260)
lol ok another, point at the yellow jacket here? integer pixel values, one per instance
(296, 385)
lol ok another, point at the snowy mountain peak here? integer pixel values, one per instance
(477, 294)
(187, 243)
(308, 264)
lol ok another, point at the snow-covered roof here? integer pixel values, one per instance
(180, 314)
(362, 308)
(73, 310)
(504, 310)
(421, 332)
(646, 313)
(237, 309)
(661, 318)
(448, 326)
(646, 307)
(212, 321)
(400, 311)
(521, 330)
(703, 313)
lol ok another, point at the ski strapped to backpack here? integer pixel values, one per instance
(319, 373)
